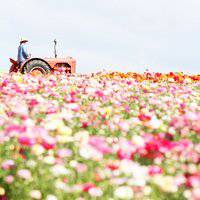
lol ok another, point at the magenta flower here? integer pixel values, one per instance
(26, 141)
(155, 170)
(16, 129)
(33, 102)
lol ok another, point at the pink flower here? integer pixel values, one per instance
(183, 144)
(24, 173)
(62, 153)
(126, 150)
(81, 168)
(124, 126)
(180, 180)
(99, 93)
(100, 144)
(193, 180)
(155, 170)
(7, 164)
(9, 179)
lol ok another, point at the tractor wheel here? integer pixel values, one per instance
(36, 66)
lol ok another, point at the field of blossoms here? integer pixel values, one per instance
(102, 135)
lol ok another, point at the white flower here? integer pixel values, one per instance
(187, 194)
(82, 136)
(138, 173)
(76, 188)
(155, 123)
(51, 197)
(59, 170)
(73, 163)
(95, 192)
(137, 182)
(54, 122)
(124, 192)
(31, 163)
(38, 149)
(88, 152)
(49, 160)
(147, 190)
(62, 186)
(138, 140)
(35, 194)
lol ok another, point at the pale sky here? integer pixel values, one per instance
(122, 35)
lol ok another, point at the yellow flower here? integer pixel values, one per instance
(165, 183)
(64, 139)
(18, 78)
(108, 111)
(2, 112)
(64, 130)
(2, 191)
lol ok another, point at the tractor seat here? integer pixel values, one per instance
(13, 61)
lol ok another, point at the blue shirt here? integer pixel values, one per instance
(22, 54)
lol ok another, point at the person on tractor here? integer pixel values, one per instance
(22, 52)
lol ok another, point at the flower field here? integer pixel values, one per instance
(100, 136)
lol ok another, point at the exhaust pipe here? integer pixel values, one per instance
(55, 48)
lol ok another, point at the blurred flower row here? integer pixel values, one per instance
(100, 136)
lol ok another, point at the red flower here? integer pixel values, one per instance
(88, 186)
(85, 124)
(144, 118)
(48, 145)
(112, 167)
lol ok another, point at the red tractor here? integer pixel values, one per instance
(45, 65)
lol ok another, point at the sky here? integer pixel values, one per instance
(120, 35)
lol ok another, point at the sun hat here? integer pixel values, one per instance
(23, 41)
